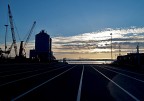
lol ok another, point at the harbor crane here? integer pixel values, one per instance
(22, 53)
(12, 30)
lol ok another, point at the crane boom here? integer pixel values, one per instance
(31, 30)
(12, 30)
(22, 52)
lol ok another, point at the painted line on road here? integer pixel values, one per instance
(16, 98)
(30, 76)
(124, 75)
(25, 72)
(80, 86)
(136, 99)
(124, 70)
(12, 70)
(20, 73)
(15, 69)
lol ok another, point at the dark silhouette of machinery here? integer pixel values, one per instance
(22, 53)
(12, 30)
(43, 44)
(7, 52)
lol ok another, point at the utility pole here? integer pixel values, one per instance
(137, 48)
(111, 45)
(119, 50)
(6, 37)
(138, 56)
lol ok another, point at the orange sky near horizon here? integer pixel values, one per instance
(88, 55)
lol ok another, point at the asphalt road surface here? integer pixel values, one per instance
(69, 82)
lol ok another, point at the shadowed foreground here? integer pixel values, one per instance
(69, 82)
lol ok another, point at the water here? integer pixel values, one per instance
(89, 62)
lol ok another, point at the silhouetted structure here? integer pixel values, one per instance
(131, 59)
(43, 44)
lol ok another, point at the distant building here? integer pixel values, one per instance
(133, 59)
(43, 47)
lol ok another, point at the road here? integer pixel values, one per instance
(69, 82)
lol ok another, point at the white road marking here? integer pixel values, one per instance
(15, 69)
(124, 75)
(124, 70)
(80, 85)
(16, 98)
(29, 76)
(136, 99)
(22, 72)
(11, 70)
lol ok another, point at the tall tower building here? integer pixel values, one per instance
(42, 42)
(43, 47)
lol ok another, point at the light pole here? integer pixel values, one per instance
(119, 50)
(6, 37)
(111, 45)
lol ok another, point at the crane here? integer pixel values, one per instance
(22, 46)
(12, 30)
(22, 52)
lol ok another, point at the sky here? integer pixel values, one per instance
(79, 28)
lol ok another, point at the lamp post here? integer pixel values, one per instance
(119, 50)
(111, 45)
(6, 37)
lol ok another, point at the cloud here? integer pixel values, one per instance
(125, 39)
(100, 41)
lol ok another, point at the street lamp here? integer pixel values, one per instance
(6, 37)
(111, 45)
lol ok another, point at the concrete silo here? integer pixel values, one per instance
(43, 44)
(43, 48)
